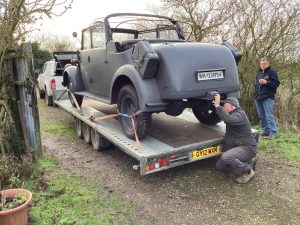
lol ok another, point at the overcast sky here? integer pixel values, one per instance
(84, 12)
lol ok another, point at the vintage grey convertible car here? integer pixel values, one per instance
(142, 62)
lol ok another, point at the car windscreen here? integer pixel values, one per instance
(142, 27)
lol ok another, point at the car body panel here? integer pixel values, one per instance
(179, 63)
(147, 90)
(53, 69)
(106, 64)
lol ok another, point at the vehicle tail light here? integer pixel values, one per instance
(156, 164)
(164, 162)
(52, 84)
(152, 166)
(173, 156)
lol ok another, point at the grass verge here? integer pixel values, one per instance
(57, 123)
(61, 129)
(63, 198)
(285, 143)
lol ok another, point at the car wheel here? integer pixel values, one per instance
(79, 98)
(49, 99)
(86, 132)
(79, 128)
(99, 143)
(40, 93)
(128, 103)
(208, 117)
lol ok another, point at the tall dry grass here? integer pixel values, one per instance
(287, 108)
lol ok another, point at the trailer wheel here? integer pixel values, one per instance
(128, 103)
(79, 129)
(99, 143)
(79, 98)
(208, 117)
(49, 99)
(86, 131)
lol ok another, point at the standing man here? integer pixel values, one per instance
(240, 146)
(265, 90)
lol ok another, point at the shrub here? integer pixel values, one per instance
(13, 171)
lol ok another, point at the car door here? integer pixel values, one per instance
(98, 62)
(85, 58)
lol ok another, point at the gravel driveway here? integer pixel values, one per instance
(192, 194)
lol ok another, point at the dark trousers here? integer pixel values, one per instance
(235, 160)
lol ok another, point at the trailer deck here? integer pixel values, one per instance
(172, 141)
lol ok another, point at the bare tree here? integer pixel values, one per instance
(16, 16)
(257, 28)
(202, 19)
(53, 42)
(264, 28)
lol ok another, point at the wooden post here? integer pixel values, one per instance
(27, 101)
(19, 118)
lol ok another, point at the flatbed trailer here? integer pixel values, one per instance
(172, 141)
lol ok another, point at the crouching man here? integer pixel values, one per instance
(240, 146)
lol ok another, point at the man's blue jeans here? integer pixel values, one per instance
(266, 115)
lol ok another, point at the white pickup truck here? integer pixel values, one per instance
(51, 77)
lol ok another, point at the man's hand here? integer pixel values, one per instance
(262, 81)
(217, 100)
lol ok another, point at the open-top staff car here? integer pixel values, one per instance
(143, 62)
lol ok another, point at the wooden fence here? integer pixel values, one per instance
(20, 66)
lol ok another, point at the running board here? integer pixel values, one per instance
(90, 95)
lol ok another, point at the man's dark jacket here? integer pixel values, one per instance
(268, 90)
(238, 129)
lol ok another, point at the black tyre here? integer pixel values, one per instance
(48, 99)
(54, 98)
(40, 93)
(206, 113)
(99, 143)
(79, 98)
(86, 132)
(128, 103)
(79, 128)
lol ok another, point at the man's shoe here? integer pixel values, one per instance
(245, 177)
(269, 137)
(253, 163)
(264, 134)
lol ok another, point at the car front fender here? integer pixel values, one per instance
(147, 89)
(73, 74)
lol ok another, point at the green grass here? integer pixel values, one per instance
(53, 123)
(65, 129)
(64, 198)
(285, 143)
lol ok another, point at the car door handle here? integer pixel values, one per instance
(104, 61)
(89, 59)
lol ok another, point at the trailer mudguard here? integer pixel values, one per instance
(73, 74)
(147, 89)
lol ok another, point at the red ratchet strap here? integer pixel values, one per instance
(96, 119)
(76, 103)
(138, 143)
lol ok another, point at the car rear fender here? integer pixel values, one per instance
(73, 74)
(147, 89)
(47, 87)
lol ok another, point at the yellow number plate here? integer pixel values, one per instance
(206, 152)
